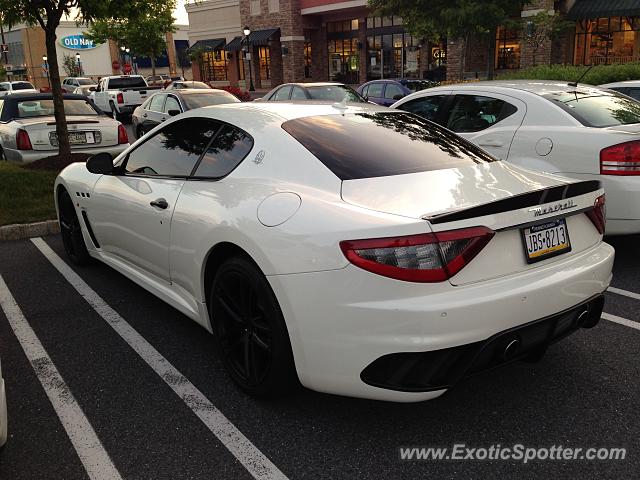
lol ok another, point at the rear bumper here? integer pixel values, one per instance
(28, 156)
(342, 321)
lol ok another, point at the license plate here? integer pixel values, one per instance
(546, 240)
(76, 138)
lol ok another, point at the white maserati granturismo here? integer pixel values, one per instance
(358, 250)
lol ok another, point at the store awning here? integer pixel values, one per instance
(603, 8)
(258, 37)
(208, 45)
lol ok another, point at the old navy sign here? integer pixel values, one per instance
(77, 42)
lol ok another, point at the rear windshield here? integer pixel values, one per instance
(199, 85)
(126, 82)
(22, 86)
(417, 85)
(598, 109)
(44, 108)
(336, 93)
(379, 144)
(197, 100)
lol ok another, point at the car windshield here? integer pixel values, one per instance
(85, 81)
(336, 93)
(198, 100)
(598, 109)
(44, 108)
(22, 86)
(378, 144)
(126, 82)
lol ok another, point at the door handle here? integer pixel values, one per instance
(145, 115)
(162, 119)
(491, 143)
(160, 203)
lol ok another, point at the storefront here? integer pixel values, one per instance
(607, 40)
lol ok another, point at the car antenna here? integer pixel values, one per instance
(575, 84)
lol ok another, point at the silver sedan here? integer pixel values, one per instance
(28, 128)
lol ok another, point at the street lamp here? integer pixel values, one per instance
(46, 69)
(79, 64)
(247, 32)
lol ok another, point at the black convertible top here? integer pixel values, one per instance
(10, 106)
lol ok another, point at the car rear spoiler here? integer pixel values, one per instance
(524, 200)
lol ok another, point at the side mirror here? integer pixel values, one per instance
(366, 98)
(173, 113)
(100, 163)
(92, 89)
(398, 97)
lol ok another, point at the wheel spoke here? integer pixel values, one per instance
(233, 315)
(259, 342)
(248, 369)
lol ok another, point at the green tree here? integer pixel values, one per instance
(70, 66)
(464, 19)
(144, 33)
(47, 14)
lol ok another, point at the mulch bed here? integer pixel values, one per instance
(55, 163)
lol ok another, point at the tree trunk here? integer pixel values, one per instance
(463, 56)
(64, 148)
(491, 55)
(153, 65)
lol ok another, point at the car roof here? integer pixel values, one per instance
(199, 91)
(624, 83)
(537, 87)
(312, 84)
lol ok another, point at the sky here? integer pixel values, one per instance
(180, 14)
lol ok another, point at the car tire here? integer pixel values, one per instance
(71, 231)
(250, 331)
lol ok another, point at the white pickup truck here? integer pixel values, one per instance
(120, 95)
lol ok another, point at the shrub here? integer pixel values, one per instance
(241, 94)
(596, 76)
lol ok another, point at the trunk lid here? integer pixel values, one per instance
(500, 196)
(88, 132)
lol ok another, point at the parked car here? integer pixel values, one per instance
(583, 132)
(182, 84)
(629, 87)
(321, 91)
(120, 95)
(7, 88)
(387, 92)
(158, 80)
(85, 90)
(28, 127)
(177, 79)
(70, 84)
(3, 412)
(360, 250)
(161, 106)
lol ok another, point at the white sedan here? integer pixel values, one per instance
(28, 128)
(357, 249)
(583, 132)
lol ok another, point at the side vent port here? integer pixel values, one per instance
(89, 229)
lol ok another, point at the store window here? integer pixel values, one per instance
(507, 49)
(605, 41)
(393, 56)
(307, 59)
(264, 56)
(214, 66)
(344, 60)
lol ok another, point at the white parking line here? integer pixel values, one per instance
(92, 454)
(258, 465)
(626, 293)
(621, 321)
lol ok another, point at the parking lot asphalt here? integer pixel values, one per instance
(583, 393)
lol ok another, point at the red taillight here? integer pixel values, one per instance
(122, 135)
(428, 257)
(23, 142)
(598, 215)
(621, 159)
(120, 98)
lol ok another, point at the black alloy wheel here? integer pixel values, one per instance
(250, 330)
(71, 231)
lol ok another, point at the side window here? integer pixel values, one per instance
(4, 87)
(174, 150)
(393, 92)
(365, 91)
(157, 103)
(375, 90)
(282, 94)
(171, 104)
(298, 94)
(225, 153)
(473, 113)
(426, 107)
(634, 93)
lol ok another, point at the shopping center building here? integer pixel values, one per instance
(320, 40)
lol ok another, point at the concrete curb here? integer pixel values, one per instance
(29, 230)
